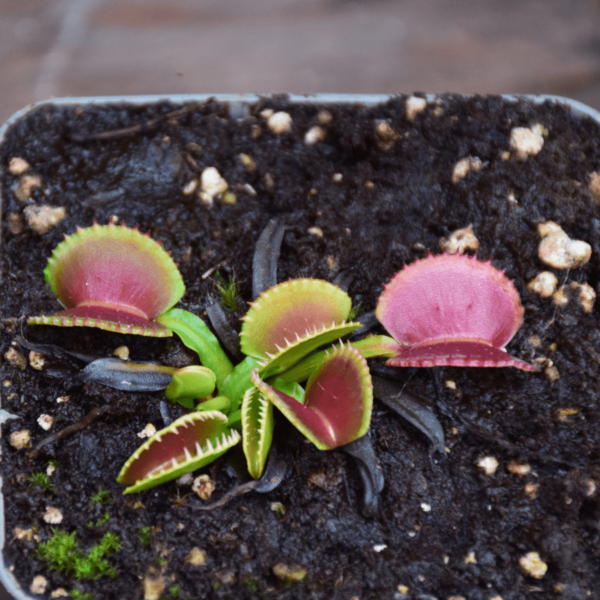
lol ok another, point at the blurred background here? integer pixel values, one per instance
(102, 47)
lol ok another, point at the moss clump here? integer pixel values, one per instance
(101, 521)
(61, 553)
(354, 312)
(79, 595)
(229, 292)
(102, 496)
(40, 479)
(144, 535)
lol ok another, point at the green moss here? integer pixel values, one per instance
(252, 585)
(229, 292)
(102, 496)
(144, 535)
(40, 479)
(101, 521)
(159, 561)
(79, 595)
(354, 312)
(61, 553)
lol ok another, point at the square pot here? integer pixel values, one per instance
(364, 184)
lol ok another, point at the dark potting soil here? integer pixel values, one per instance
(444, 527)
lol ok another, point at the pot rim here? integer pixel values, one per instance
(579, 110)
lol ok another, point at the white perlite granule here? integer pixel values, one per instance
(413, 106)
(558, 250)
(43, 218)
(45, 422)
(53, 516)
(461, 241)
(212, 185)
(526, 142)
(280, 122)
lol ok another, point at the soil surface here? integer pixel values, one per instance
(444, 528)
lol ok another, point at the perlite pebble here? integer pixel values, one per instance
(15, 224)
(531, 489)
(190, 187)
(464, 165)
(461, 241)
(558, 250)
(594, 185)
(17, 166)
(53, 516)
(518, 468)
(59, 593)
(314, 135)
(121, 352)
(27, 183)
(544, 284)
(413, 106)
(385, 135)
(526, 142)
(212, 185)
(204, 486)
(43, 218)
(247, 162)
(45, 422)
(38, 585)
(36, 360)
(196, 557)
(560, 297)
(22, 534)
(16, 359)
(20, 439)
(587, 297)
(552, 373)
(186, 479)
(280, 122)
(324, 117)
(147, 432)
(532, 565)
(488, 464)
(154, 583)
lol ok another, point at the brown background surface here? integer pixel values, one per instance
(104, 47)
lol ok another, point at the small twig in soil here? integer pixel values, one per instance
(115, 134)
(210, 271)
(71, 429)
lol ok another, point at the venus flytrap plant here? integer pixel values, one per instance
(111, 277)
